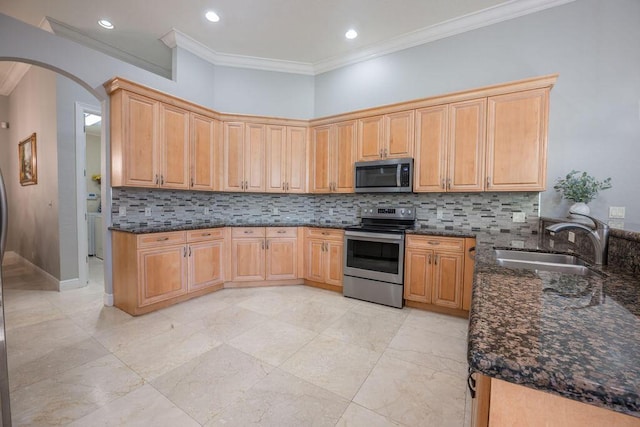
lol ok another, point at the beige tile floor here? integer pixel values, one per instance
(279, 356)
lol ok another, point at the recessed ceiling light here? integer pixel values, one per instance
(104, 23)
(212, 16)
(351, 34)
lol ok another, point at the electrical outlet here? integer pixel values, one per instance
(330, 211)
(147, 211)
(517, 244)
(616, 223)
(552, 243)
(275, 211)
(519, 217)
(617, 212)
(206, 210)
(571, 236)
(122, 211)
(439, 214)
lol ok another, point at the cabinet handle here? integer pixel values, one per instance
(263, 244)
(448, 183)
(435, 261)
(162, 239)
(429, 260)
(287, 186)
(325, 233)
(281, 231)
(189, 250)
(184, 252)
(472, 250)
(283, 186)
(157, 179)
(206, 234)
(488, 181)
(443, 183)
(192, 182)
(431, 242)
(248, 231)
(471, 383)
(267, 244)
(326, 247)
(386, 152)
(161, 179)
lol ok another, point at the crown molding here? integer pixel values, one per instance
(175, 38)
(483, 18)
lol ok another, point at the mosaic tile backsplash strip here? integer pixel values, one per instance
(439, 211)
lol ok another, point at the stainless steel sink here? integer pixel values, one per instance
(541, 261)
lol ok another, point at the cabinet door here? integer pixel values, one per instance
(418, 275)
(334, 260)
(254, 155)
(206, 262)
(296, 160)
(162, 274)
(314, 260)
(517, 141)
(275, 158)
(204, 153)
(282, 259)
(174, 143)
(430, 149)
(233, 156)
(466, 145)
(370, 137)
(398, 129)
(447, 279)
(247, 259)
(141, 148)
(320, 147)
(342, 157)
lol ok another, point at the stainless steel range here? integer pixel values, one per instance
(374, 255)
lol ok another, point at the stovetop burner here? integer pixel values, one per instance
(386, 219)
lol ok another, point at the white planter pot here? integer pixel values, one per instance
(579, 208)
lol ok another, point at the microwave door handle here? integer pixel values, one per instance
(398, 169)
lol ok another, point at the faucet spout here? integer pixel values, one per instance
(599, 236)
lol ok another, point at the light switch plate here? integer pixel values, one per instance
(519, 217)
(571, 236)
(147, 211)
(276, 211)
(122, 211)
(206, 210)
(617, 212)
(330, 211)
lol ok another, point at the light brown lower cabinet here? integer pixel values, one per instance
(324, 257)
(259, 254)
(436, 273)
(151, 271)
(498, 403)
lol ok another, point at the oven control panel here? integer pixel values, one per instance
(398, 212)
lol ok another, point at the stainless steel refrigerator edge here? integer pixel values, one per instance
(4, 371)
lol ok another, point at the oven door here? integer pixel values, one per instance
(373, 255)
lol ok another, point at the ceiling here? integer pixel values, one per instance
(304, 36)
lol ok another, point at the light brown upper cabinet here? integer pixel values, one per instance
(332, 157)
(244, 156)
(385, 137)
(286, 159)
(149, 142)
(517, 141)
(450, 143)
(206, 162)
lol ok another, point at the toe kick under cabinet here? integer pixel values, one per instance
(151, 271)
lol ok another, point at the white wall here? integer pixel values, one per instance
(595, 106)
(33, 209)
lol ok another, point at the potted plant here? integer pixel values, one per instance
(580, 188)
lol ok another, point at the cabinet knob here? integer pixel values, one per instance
(162, 239)
(281, 231)
(206, 234)
(248, 231)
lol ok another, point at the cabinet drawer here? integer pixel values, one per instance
(205, 234)
(240, 232)
(436, 243)
(275, 232)
(324, 233)
(161, 239)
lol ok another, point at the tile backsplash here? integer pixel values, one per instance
(468, 211)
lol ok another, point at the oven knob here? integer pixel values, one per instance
(401, 211)
(409, 211)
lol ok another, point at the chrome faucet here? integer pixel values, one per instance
(599, 236)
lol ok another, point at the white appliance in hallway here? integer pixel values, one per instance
(4, 371)
(95, 234)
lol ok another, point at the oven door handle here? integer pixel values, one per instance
(398, 169)
(377, 236)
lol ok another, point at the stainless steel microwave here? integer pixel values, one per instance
(384, 176)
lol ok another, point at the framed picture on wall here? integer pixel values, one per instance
(28, 161)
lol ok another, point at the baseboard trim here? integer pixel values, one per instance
(16, 258)
(68, 284)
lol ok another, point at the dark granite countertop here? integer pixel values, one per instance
(575, 336)
(144, 229)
